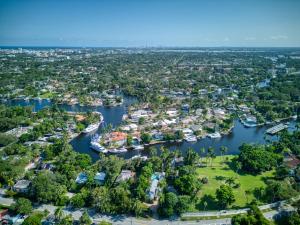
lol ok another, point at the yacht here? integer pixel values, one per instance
(94, 126)
(116, 151)
(143, 158)
(91, 127)
(214, 135)
(139, 147)
(97, 147)
(191, 138)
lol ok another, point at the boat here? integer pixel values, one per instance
(191, 138)
(91, 127)
(143, 158)
(138, 147)
(117, 151)
(97, 147)
(214, 135)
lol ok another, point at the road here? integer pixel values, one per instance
(125, 220)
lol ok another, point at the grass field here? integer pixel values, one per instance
(218, 173)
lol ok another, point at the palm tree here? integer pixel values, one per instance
(210, 153)
(58, 213)
(10, 183)
(202, 151)
(223, 150)
(213, 156)
(205, 204)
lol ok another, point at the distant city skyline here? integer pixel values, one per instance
(156, 23)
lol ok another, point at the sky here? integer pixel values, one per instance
(150, 23)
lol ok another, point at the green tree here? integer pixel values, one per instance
(191, 157)
(253, 217)
(225, 196)
(85, 219)
(146, 138)
(23, 206)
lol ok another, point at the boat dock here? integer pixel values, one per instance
(276, 129)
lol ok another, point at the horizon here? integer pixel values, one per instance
(145, 24)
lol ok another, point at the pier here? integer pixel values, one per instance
(276, 129)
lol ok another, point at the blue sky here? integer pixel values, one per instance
(128, 23)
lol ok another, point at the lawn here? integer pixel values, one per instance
(217, 175)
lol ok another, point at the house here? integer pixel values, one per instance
(153, 189)
(81, 178)
(125, 175)
(100, 178)
(22, 186)
(196, 128)
(118, 138)
(172, 112)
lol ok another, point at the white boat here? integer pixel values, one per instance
(214, 135)
(139, 147)
(97, 147)
(143, 158)
(91, 127)
(117, 151)
(191, 138)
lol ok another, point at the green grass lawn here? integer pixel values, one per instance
(217, 175)
(47, 95)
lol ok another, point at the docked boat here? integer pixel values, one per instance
(117, 151)
(91, 127)
(214, 135)
(97, 147)
(94, 126)
(138, 147)
(143, 158)
(191, 138)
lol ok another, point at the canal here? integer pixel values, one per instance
(113, 116)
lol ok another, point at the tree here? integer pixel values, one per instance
(85, 219)
(223, 150)
(253, 217)
(210, 153)
(78, 201)
(129, 140)
(257, 158)
(23, 206)
(167, 204)
(138, 207)
(225, 196)
(46, 188)
(59, 213)
(191, 157)
(183, 204)
(187, 184)
(67, 220)
(34, 219)
(146, 138)
(205, 204)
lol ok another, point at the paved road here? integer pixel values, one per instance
(125, 220)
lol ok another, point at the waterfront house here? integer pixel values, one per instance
(100, 178)
(22, 186)
(118, 138)
(154, 189)
(125, 175)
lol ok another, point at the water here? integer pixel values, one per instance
(113, 115)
